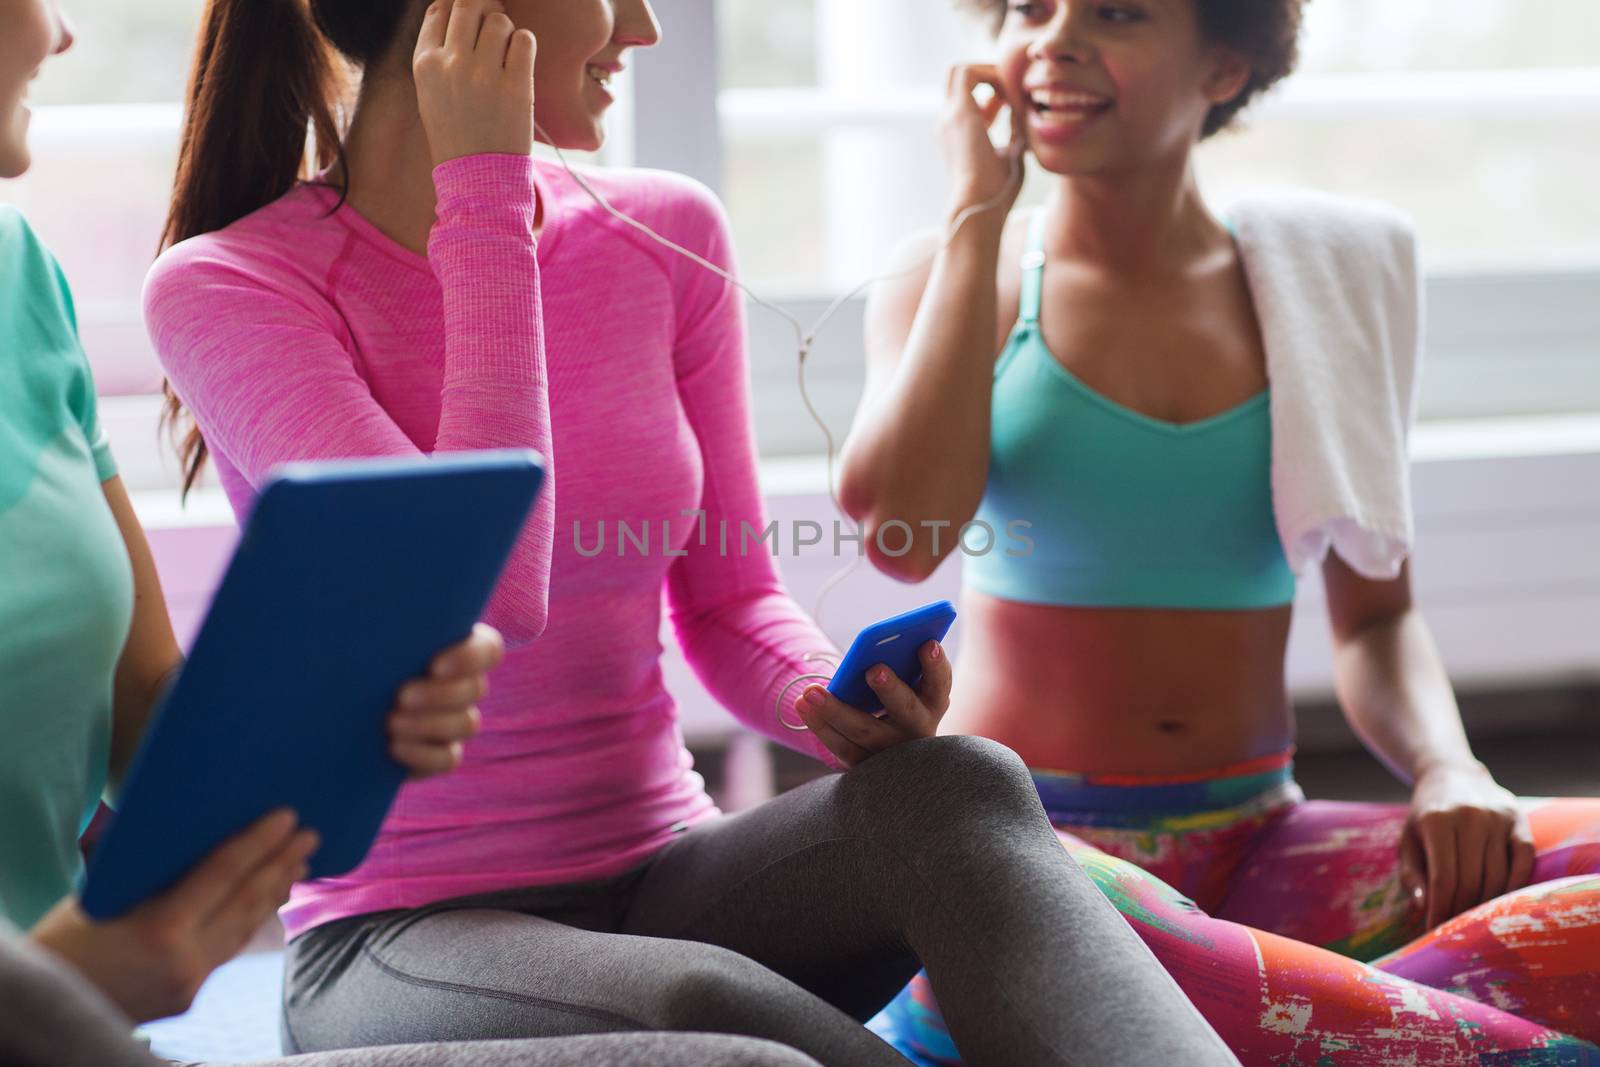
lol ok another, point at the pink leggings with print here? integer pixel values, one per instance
(1284, 921)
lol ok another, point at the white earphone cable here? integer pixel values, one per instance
(804, 340)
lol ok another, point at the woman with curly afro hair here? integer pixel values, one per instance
(1175, 415)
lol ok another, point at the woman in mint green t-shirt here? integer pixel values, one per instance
(85, 642)
(85, 645)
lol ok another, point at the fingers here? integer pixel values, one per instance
(482, 651)
(435, 727)
(253, 901)
(990, 109)
(430, 742)
(520, 54)
(900, 703)
(822, 723)
(427, 695)
(1439, 850)
(866, 730)
(984, 174)
(434, 21)
(434, 715)
(426, 758)
(1510, 855)
(431, 35)
(1523, 854)
(966, 77)
(466, 22)
(937, 678)
(858, 734)
(1496, 862)
(1413, 873)
(1472, 841)
(495, 36)
(1019, 133)
(472, 98)
(216, 877)
(962, 88)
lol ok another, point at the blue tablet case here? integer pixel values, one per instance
(894, 643)
(348, 579)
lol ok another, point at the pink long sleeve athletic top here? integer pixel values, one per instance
(299, 334)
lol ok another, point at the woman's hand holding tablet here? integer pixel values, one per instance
(434, 714)
(151, 961)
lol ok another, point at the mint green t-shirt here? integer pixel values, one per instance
(66, 586)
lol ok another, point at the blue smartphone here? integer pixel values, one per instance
(894, 643)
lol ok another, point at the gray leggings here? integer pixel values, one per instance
(794, 921)
(51, 1017)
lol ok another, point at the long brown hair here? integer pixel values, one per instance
(266, 74)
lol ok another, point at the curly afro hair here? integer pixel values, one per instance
(1265, 32)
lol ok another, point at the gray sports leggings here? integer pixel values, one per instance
(794, 921)
(51, 1017)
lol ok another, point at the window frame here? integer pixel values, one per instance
(1509, 342)
(1527, 336)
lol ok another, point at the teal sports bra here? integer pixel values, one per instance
(1123, 510)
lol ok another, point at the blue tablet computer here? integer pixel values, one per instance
(347, 580)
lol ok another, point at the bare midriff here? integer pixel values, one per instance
(1122, 691)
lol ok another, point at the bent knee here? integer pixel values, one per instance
(957, 757)
(937, 780)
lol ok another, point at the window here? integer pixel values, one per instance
(127, 52)
(104, 144)
(815, 120)
(1481, 119)
(105, 140)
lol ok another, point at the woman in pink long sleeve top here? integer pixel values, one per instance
(436, 289)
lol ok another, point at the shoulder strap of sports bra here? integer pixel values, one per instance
(1033, 272)
(1032, 295)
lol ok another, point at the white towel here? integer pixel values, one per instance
(1339, 297)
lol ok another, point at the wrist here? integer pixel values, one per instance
(981, 215)
(977, 242)
(494, 179)
(1464, 765)
(64, 933)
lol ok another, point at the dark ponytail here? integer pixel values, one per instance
(266, 74)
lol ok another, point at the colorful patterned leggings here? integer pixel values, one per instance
(1283, 919)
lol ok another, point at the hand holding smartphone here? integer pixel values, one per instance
(897, 667)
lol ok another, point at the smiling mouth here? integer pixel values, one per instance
(601, 76)
(1067, 105)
